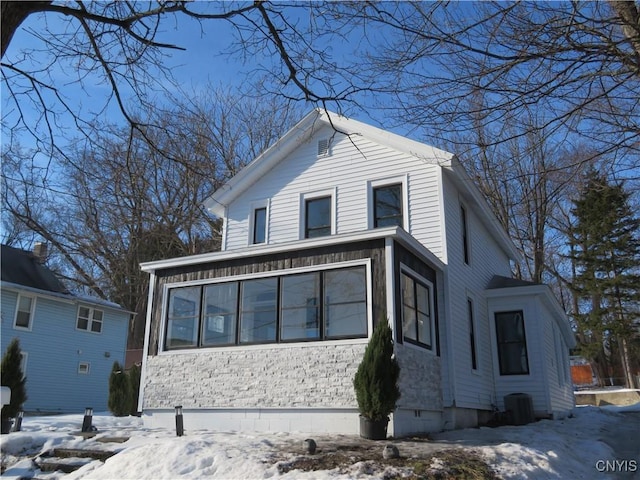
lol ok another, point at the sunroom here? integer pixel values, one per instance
(269, 337)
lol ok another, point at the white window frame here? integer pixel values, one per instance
(90, 320)
(84, 364)
(384, 182)
(32, 309)
(24, 357)
(432, 313)
(302, 209)
(266, 204)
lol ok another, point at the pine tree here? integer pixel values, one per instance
(134, 383)
(119, 391)
(13, 378)
(376, 381)
(605, 248)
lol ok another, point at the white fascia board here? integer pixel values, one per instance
(306, 244)
(262, 164)
(63, 297)
(300, 133)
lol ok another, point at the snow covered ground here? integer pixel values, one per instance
(574, 448)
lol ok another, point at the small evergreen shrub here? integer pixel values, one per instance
(134, 383)
(119, 391)
(12, 377)
(376, 381)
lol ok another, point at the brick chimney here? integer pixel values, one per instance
(40, 251)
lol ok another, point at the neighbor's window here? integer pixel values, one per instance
(416, 311)
(387, 206)
(512, 345)
(320, 305)
(83, 368)
(89, 319)
(184, 314)
(24, 313)
(317, 217)
(259, 225)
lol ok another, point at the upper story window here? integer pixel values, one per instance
(89, 319)
(24, 312)
(512, 345)
(317, 217)
(387, 206)
(465, 234)
(417, 308)
(309, 306)
(260, 225)
(259, 222)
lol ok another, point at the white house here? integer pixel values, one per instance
(334, 228)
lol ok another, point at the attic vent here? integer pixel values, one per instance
(323, 147)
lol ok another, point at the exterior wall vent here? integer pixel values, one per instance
(323, 147)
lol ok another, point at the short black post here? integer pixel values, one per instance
(179, 421)
(88, 418)
(18, 425)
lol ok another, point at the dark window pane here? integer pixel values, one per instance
(345, 302)
(512, 345)
(220, 304)
(416, 311)
(258, 310)
(318, 217)
(300, 307)
(259, 225)
(184, 311)
(387, 203)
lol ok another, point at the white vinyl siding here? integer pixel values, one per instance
(473, 388)
(347, 171)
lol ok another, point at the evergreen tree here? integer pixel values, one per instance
(134, 383)
(13, 378)
(376, 381)
(119, 391)
(605, 249)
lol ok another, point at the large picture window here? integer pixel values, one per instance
(512, 345)
(416, 311)
(311, 306)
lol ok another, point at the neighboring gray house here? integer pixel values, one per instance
(68, 343)
(334, 228)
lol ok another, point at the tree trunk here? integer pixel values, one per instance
(13, 14)
(626, 364)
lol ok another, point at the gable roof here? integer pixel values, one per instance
(22, 271)
(318, 118)
(21, 267)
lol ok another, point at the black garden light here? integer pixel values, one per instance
(179, 421)
(88, 418)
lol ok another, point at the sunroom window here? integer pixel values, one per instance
(309, 306)
(416, 311)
